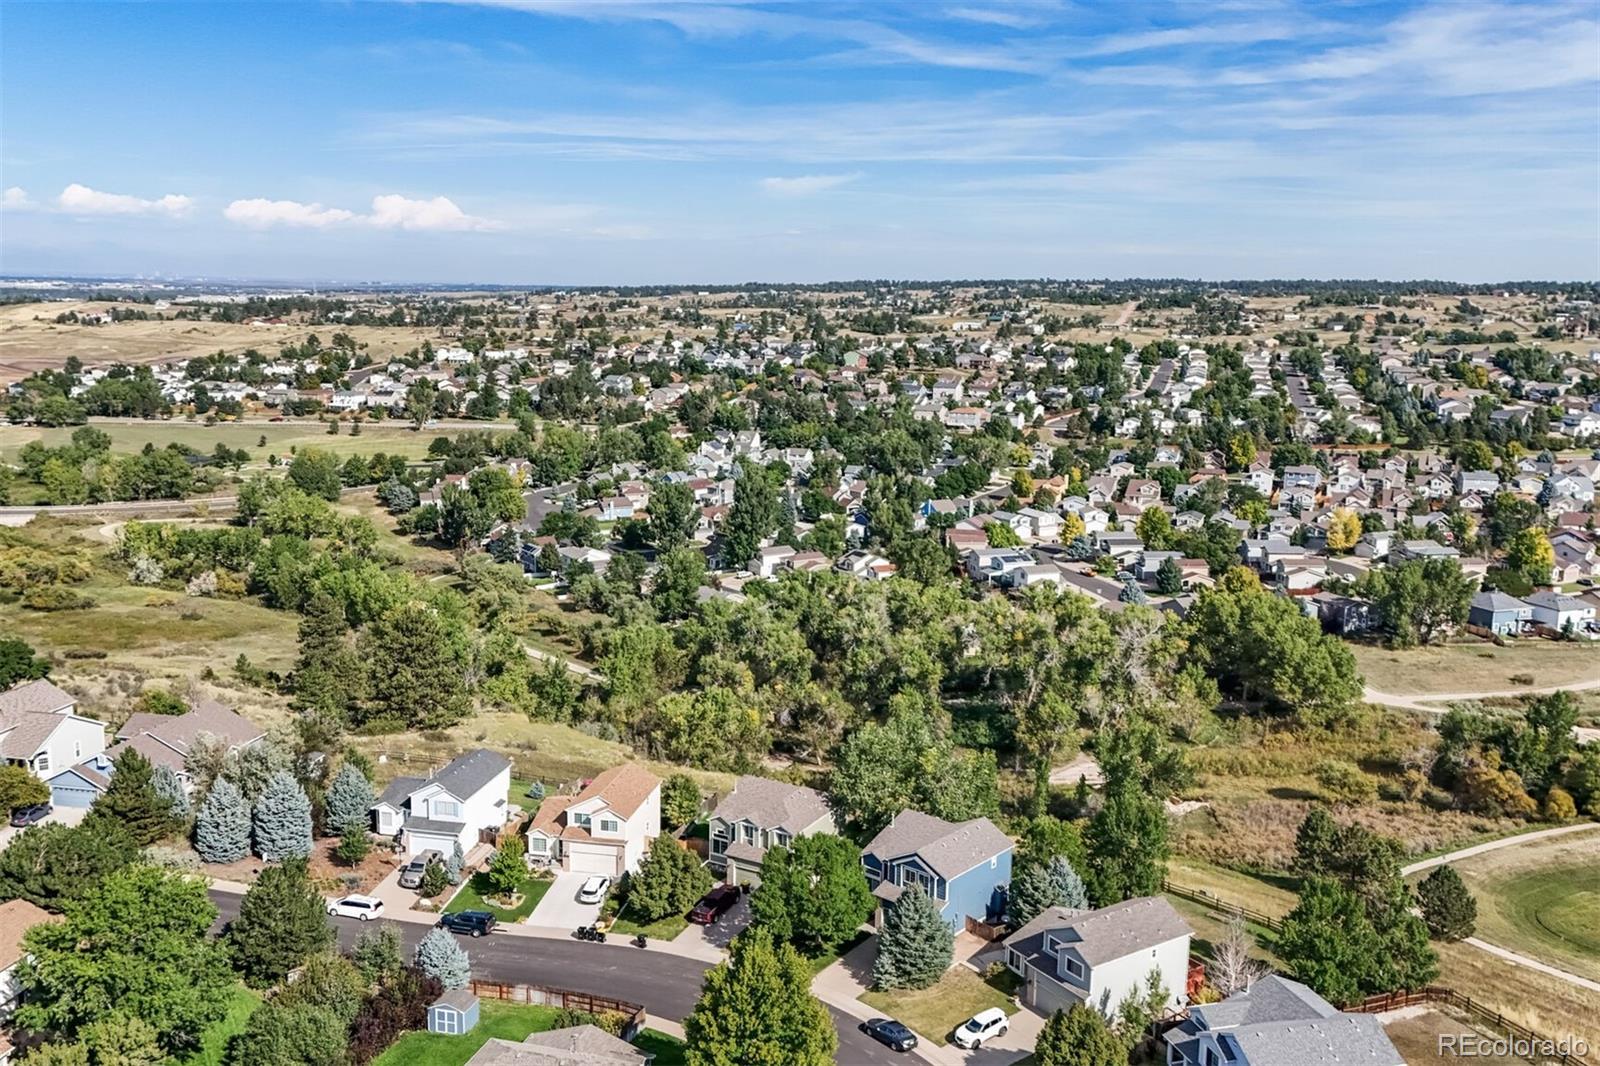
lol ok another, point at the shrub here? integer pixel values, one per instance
(55, 598)
(1558, 805)
(435, 879)
(440, 957)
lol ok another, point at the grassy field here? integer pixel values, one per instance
(1541, 899)
(391, 437)
(1416, 1037)
(472, 897)
(1476, 667)
(214, 1041)
(1544, 1004)
(935, 1012)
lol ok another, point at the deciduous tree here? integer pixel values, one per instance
(756, 1009)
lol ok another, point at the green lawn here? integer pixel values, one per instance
(935, 1012)
(472, 898)
(214, 1041)
(507, 1021)
(662, 929)
(668, 1050)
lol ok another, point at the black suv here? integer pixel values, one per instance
(473, 923)
(30, 814)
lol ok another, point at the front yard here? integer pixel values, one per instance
(936, 1011)
(506, 1021)
(475, 895)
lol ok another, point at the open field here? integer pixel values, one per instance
(1479, 666)
(1541, 899)
(129, 437)
(30, 339)
(1543, 1003)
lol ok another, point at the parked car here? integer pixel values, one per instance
(361, 908)
(982, 1026)
(714, 904)
(891, 1033)
(411, 873)
(594, 890)
(33, 812)
(472, 923)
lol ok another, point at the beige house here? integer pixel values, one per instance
(759, 814)
(604, 829)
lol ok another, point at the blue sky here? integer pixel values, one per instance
(623, 142)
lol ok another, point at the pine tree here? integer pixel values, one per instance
(756, 1009)
(353, 847)
(327, 675)
(377, 954)
(439, 956)
(1079, 1037)
(916, 945)
(222, 824)
(1169, 579)
(282, 819)
(456, 864)
(349, 801)
(1039, 886)
(171, 790)
(282, 921)
(131, 800)
(1447, 907)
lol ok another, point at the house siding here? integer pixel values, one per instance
(970, 894)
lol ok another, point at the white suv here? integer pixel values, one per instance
(982, 1026)
(594, 890)
(362, 908)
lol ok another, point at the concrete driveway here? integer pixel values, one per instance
(61, 815)
(560, 909)
(719, 934)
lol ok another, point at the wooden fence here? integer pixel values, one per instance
(564, 999)
(1223, 906)
(1439, 994)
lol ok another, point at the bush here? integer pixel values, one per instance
(55, 598)
(399, 1006)
(1558, 805)
(435, 879)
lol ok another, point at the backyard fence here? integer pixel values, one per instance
(563, 999)
(1562, 1052)
(1205, 899)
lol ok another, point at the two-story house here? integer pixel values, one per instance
(1278, 1022)
(434, 813)
(604, 828)
(1099, 957)
(41, 729)
(965, 868)
(758, 814)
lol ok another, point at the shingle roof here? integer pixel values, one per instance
(948, 849)
(180, 731)
(26, 733)
(396, 791)
(464, 775)
(1102, 935)
(17, 916)
(772, 804)
(624, 788)
(38, 697)
(1496, 601)
(579, 1045)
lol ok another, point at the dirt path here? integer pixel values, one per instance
(1127, 312)
(1533, 964)
(1420, 701)
(571, 664)
(1496, 845)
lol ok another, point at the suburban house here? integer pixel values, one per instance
(578, 1045)
(17, 916)
(604, 828)
(758, 814)
(437, 812)
(1278, 1022)
(965, 867)
(1099, 957)
(41, 729)
(1499, 612)
(1558, 611)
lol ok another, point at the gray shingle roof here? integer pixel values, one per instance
(396, 791)
(1279, 1022)
(948, 849)
(34, 697)
(1102, 935)
(466, 774)
(772, 804)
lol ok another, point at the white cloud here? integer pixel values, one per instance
(78, 199)
(440, 213)
(15, 198)
(806, 184)
(261, 213)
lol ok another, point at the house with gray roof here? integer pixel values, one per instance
(1499, 612)
(758, 814)
(41, 729)
(1278, 1022)
(577, 1045)
(964, 867)
(450, 807)
(1100, 957)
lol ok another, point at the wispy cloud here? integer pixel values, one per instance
(78, 199)
(264, 214)
(806, 184)
(388, 212)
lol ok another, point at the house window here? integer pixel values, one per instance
(446, 809)
(42, 763)
(537, 845)
(780, 838)
(609, 825)
(749, 833)
(1074, 967)
(582, 821)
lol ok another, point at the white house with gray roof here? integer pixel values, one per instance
(1100, 957)
(449, 807)
(1278, 1022)
(758, 814)
(40, 728)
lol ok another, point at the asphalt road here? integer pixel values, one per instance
(667, 985)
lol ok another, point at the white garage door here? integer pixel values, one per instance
(591, 860)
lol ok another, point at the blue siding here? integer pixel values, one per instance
(973, 893)
(68, 789)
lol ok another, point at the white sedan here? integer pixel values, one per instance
(594, 890)
(361, 908)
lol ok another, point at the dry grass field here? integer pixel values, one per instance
(281, 437)
(1477, 667)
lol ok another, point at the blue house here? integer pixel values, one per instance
(453, 1013)
(965, 868)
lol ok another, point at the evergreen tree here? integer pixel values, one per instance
(1040, 886)
(415, 669)
(377, 954)
(669, 881)
(1169, 579)
(435, 879)
(1316, 843)
(170, 789)
(51, 864)
(1329, 943)
(440, 957)
(915, 946)
(456, 864)
(353, 847)
(349, 801)
(282, 819)
(1079, 1037)
(327, 676)
(282, 921)
(131, 800)
(813, 894)
(1128, 845)
(222, 824)
(756, 1009)
(1447, 907)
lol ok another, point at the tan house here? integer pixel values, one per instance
(758, 814)
(604, 828)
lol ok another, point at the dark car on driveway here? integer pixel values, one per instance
(891, 1033)
(473, 923)
(714, 904)
(33, 812)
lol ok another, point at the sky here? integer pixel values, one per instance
(642, 141)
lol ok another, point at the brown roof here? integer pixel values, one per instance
(26, 733)
(180, 731)
(17, 916)
(624, 788)
(34, 697)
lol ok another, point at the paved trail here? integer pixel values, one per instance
(1421, 701)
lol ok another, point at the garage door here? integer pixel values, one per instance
(71, 796)
(592, 860)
